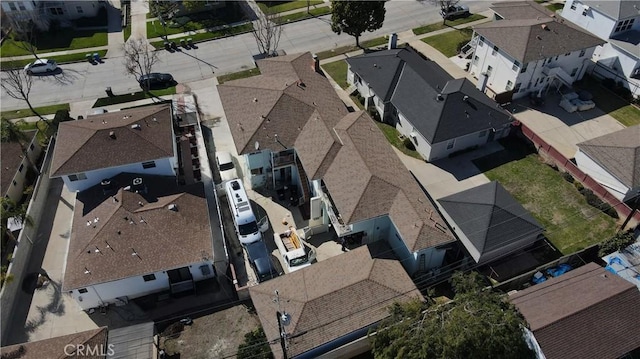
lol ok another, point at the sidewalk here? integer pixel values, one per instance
(114, 30)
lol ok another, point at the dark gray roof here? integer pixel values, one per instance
(489, 216)
(616, 9)
(628, 41)
(535, 39)
(414, 93)
(618, 153)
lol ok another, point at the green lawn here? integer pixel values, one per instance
(439, 26)
(210, 35)
(378, 41)
(392, 134)
(282, 6)
(106, 101)
(303, 15)
(338, 72)
(229, 14)
(238, 75)
(611, 103)
(554, 7)
(449, 42)
(64, 39)
(62, 59)
(25, 112)
(571, 224)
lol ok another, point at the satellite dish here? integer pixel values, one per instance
(256, 145)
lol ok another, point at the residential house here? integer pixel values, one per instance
(585, 313)
(17, 159)
(294, 130)
(527, 53)
(490, 222)
(614, 161)
(618, 23)
(138, 140)
(43, 12)
(87, 344)
(441, 115)
(136, 235)
(329, 307)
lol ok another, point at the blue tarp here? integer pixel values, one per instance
(559, 270)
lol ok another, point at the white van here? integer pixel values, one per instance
(243, 218)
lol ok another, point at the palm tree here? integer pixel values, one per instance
(11, 133)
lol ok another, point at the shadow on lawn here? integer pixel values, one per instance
(514, 149)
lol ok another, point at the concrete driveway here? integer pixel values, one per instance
(561, 129)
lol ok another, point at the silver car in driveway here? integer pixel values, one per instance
(454, 12)
(41, 66)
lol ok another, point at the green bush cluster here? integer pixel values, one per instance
(594, 201)
(618, 242)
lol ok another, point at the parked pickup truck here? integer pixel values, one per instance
(295, 253)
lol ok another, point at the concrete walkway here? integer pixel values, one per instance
(139, 10)
(114, 30)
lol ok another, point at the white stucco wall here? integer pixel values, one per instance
(602, 176)
(164, 167)
(256, 161)
(628, 63)
(16, 188)
(594, 21)
(132, 287)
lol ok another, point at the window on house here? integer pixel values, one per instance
(149, 277)
(77, 177)
(489, 70)
(515, 66)
(149, 164)
(481, 42)
(475, 59)
(21, 167)
(482, 133)
(256, 171)
(557, 58)
(582, 52)
(509, 85)
(517, 88)
(451, 143)
(205, 269)
(56, 11)
(32, 147)
(523, 69)
(573, 6)
(82, 290)
(79, 9)
(15, 183)
(624, 25)
(21, 6)
(12, 6)
(585, 11)
(495, 51)
(574, 71)
(357, 79)
(567, 54)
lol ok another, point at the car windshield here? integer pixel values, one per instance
(298, 261)
(251, 227)
(226, 166)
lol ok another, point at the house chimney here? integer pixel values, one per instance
(112, 135)
(316, 63)
(393, 41)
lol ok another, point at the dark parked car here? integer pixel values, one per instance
(156, 80)
(261, 261)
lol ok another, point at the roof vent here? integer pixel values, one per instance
(135, 126)
(439, 97)
(112, 135)
(255, 99)
(173, 207)
(538, 37)
(465, 98)
(545, 27)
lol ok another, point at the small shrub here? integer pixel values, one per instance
(255, 345)
(567, 177)
(578, 186)
(173, 329)
(611, 212)
(409, 144)
(620, 241)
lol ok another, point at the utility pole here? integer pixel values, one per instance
(283, 320)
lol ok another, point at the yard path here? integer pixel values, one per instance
(114, 30)
(139, 10)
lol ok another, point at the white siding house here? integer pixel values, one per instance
(42, 12)
(15, 166)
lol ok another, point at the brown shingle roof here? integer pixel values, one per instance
(11, 156)
(586, 313)
(527, 40)
(86, 145)
(55, 347)
(332, 298)
(162, 238)
(618, 153)
(520, 10)
(347, 150)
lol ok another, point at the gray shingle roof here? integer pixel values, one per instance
(162, 238)
(616, 9)
(587, 313)
(618, 153)
(490, 217)
(528, 40)
(56, 347)
(332, 298)
(520, 10)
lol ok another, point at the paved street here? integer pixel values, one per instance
(83, 81)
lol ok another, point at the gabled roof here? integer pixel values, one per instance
(535, 39)
(520, 10)
(615, 9)
(490, 217)
(109, 228)
(585, 313)
(365, 178)
(58, 347)
(11, 156)
(629, 41)
(331, 299)
(86, 145)
(618, 153)
(462, 108)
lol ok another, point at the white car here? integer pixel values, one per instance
(225, 166)
(41, 66)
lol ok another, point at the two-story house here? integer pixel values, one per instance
(17, 161)
(439, 114)
(42, 12)
(139, 140)
(526, 52)
(618, 23)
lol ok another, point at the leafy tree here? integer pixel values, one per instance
(356, 17)
(476, 324)
(620, 241)
(255, 345)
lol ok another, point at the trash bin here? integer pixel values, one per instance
(167, 46)
(190, 42)
(183, 43)
(173, 45)
(89, 57)
(96, 56)
(109, 92)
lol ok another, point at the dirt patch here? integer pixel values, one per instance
(215, 335)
